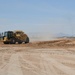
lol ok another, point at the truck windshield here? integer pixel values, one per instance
(8, 34)
(5, 34)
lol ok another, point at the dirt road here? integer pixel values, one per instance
(29, 61)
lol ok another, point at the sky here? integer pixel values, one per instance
(32, 16)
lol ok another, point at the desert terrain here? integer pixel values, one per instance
(55, 57)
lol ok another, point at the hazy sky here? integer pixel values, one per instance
(54, 16)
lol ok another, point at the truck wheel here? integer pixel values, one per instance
(6, 42)
(12, 41)
(19, 42)
(27, 40)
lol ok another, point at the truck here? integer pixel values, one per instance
(11, 37)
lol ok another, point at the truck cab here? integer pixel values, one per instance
(7, 36)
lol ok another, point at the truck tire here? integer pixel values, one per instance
(6, 42)
(12, 41)
(27, 40)
(19, 42)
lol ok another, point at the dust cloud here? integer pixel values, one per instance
(41, 37)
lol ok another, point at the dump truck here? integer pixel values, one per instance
(11, 37)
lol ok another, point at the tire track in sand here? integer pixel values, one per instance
(14, 67)
(67, 70)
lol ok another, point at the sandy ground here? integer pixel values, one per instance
(41, 58)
